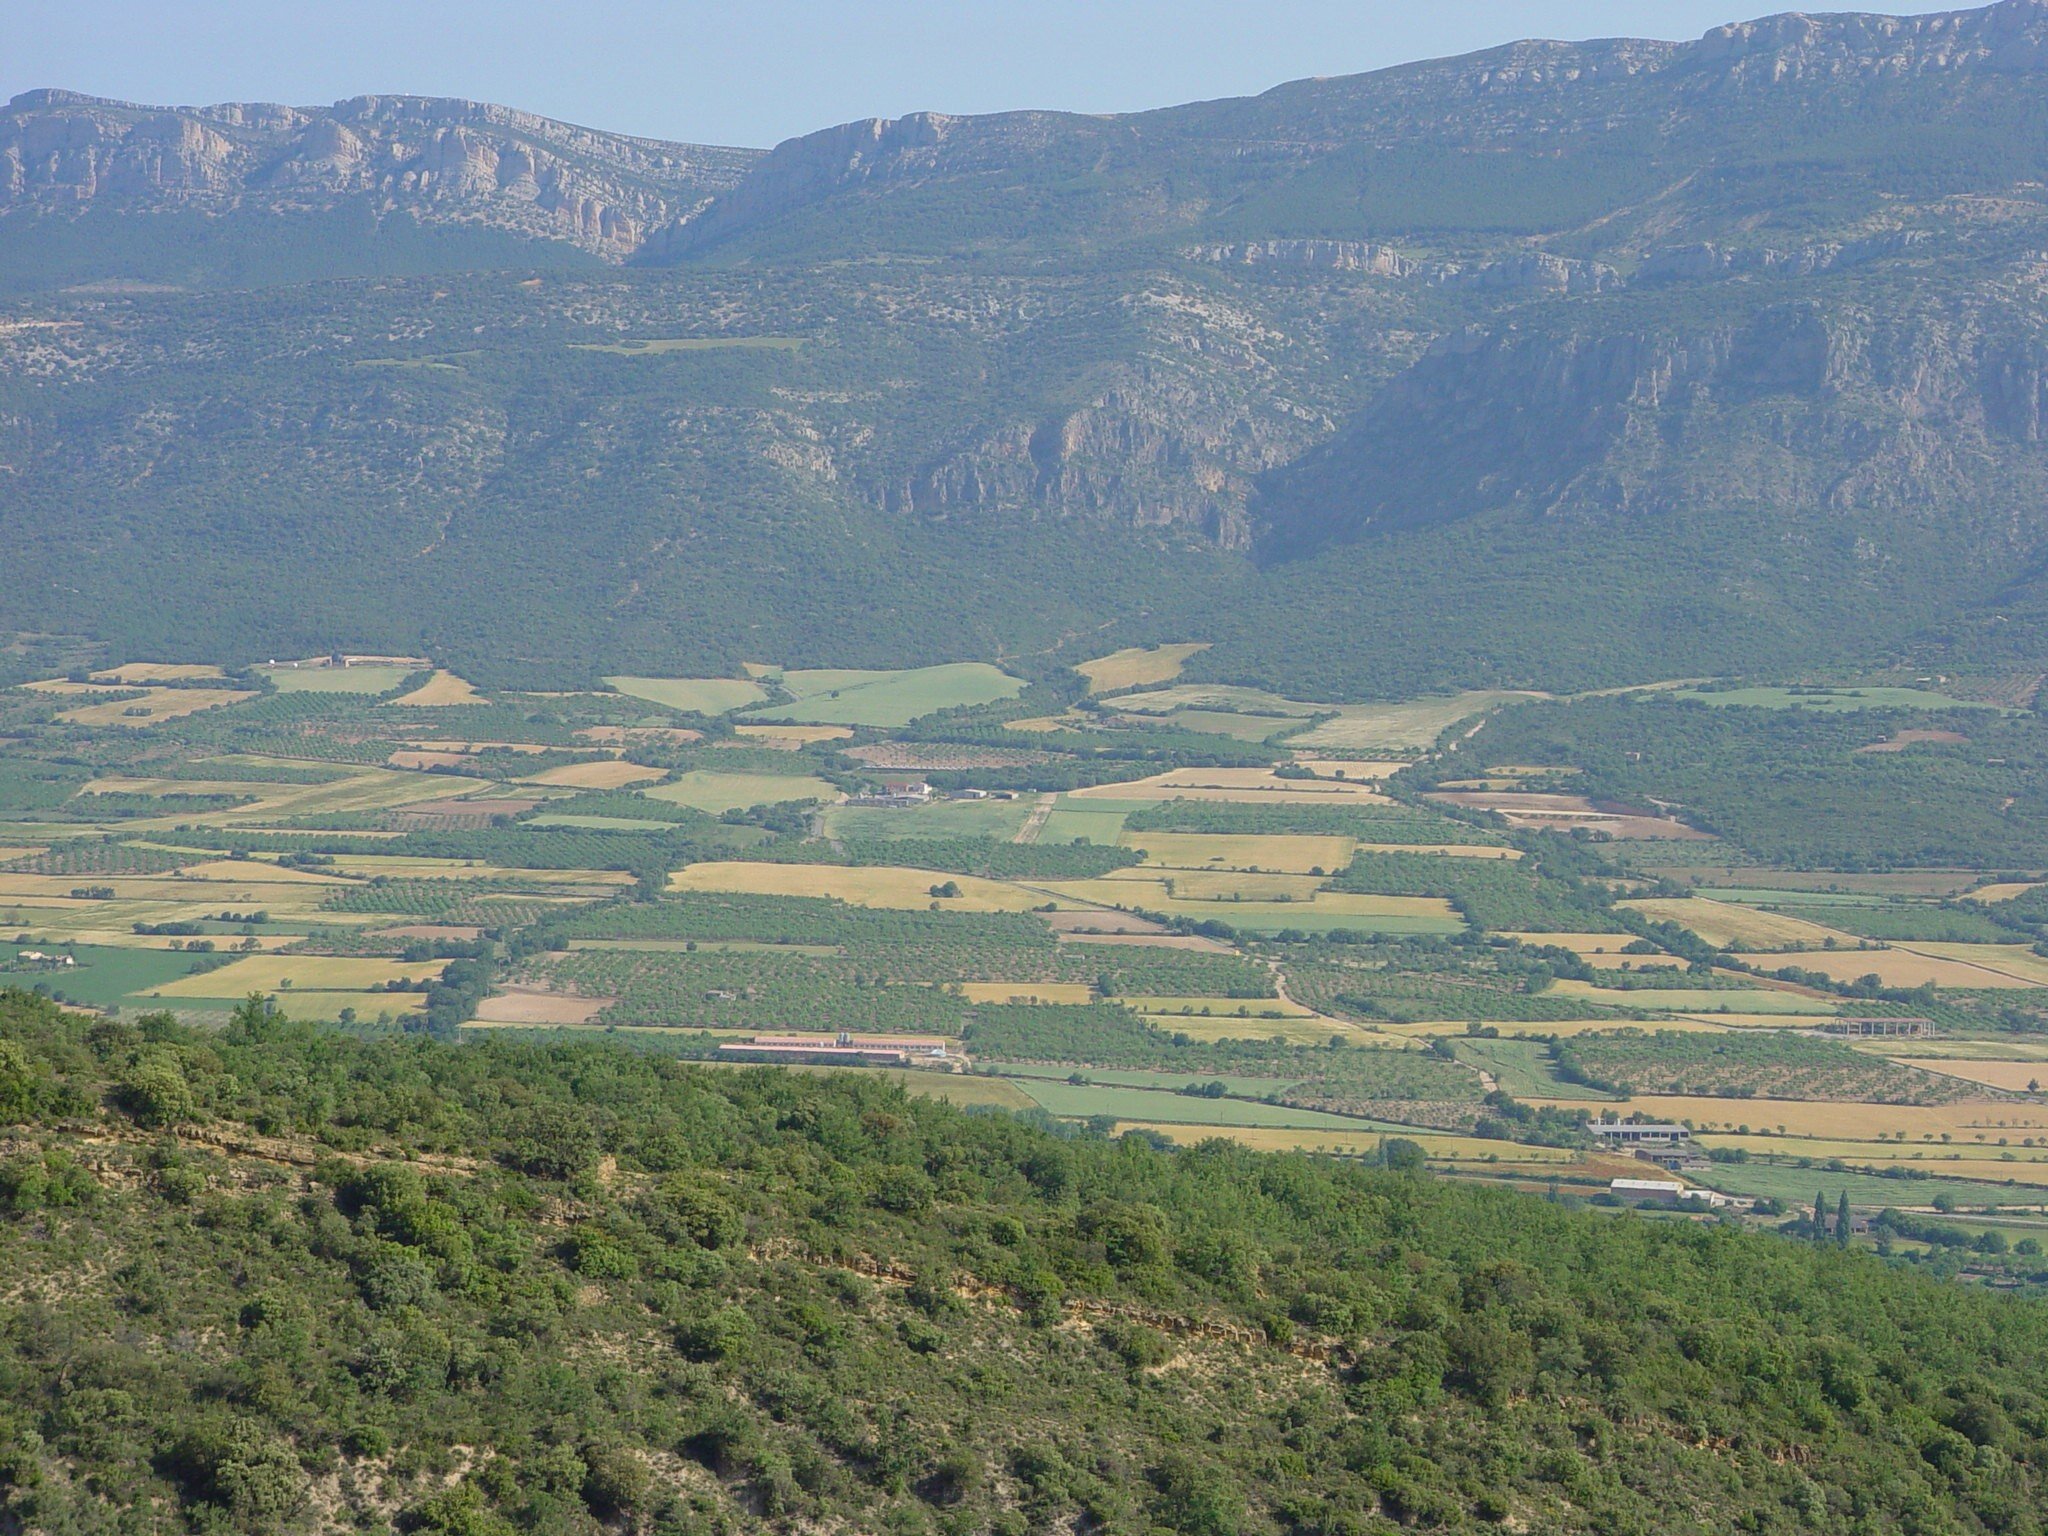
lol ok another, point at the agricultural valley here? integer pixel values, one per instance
(1307, 816)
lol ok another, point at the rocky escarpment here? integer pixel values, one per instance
(439, 159)
(1881, 408)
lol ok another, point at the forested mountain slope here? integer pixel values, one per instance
(1556, 365)
(273, 1280)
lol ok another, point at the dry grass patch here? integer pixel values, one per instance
(158, 704)
(2012, 1076)
(1252, 786)
(1235, 885)
(1137, 667)
(1908, 967)
(869, 886)
(536, 1005)
(313, 973)
(156, 672)
(2013, 959)
(606, 773)
(443, 687)
(2003, 890)
(1724, 925)
(1410, 727)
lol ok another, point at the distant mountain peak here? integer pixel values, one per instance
(438, 158)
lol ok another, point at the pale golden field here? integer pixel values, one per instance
(1959, 1050)
(156, 672)
(1026, 991)
(316, 973)
(1964, 1122)
(531, 1005)
(1902, 967)
(1429, 1029)
(2013, 959)
(1150, 894)
(9, 855)
(1409, 727)
(2003, 891)
(1239, 885)
(878, 886)
(1722, 923)
(158, 704)
(374, 789)
(1233, 1007)
(1697, 1000)
(1355, 769)
(1136, 667)
(603, 773)
(265, 870)
(706, 790)
(1250, 786)
(2013, 1076)
(789, 738)
(254, 887)
(1285, 854)
(443, 687)
(1309, 1031)
(1262, 1138)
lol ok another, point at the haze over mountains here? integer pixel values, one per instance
(1556, 364)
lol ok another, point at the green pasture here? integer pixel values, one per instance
(891, 698)
(105, 977)
(367, 679)
(941, 819)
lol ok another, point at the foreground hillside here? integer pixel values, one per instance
(1561, 365)
(273, 1280)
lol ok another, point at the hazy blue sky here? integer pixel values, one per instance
(755, 71)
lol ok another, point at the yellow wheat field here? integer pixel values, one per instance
(1900, 967)
(872, 886)
(2013, 1076)
(314, 973)
(1137, 667)
(1723, 924)
(604, 773)
(442, 688)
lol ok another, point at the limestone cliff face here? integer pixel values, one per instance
(439, 159)
(1839, 411)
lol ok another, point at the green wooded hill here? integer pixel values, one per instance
(1556, 365)
(276, 1280)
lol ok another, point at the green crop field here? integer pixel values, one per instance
(1123, 1103)
(105, 976)
(1099, 821)
(940, 819)
(893, 698)
(1796, 1186)
(706, 789)
(1523, 1068)
(324, 679)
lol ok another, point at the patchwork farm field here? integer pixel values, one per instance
(1290, 923)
